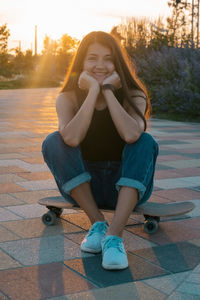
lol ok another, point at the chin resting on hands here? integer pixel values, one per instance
(113, 79)
(86, 81)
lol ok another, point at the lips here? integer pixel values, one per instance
(99, 74)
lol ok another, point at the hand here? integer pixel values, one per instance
(86, 81)
(113, 79)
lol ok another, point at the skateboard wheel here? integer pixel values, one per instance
(150, 226)
(49, 218)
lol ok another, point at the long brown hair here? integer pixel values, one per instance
(123, 66)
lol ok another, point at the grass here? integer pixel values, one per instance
(24, 83)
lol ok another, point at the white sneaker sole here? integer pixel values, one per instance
(89, 250)
(115, 267)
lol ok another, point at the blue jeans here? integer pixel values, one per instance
(136, 169)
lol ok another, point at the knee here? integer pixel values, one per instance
(149, 142)
(144, 144)
(148, 139)
(50, 141)
(54, 145)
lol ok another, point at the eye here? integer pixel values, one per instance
(91, 58)
(109, 59)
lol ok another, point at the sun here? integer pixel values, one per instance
(75, 17)
(55, 18)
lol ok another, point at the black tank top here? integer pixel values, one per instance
(102, 141)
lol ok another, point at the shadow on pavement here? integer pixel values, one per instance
(50, 275)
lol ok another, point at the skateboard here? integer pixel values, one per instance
(151, 211)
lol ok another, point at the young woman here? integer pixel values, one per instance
(101, 157)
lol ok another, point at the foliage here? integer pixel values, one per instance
(56, 56)
(172, 77)
(140, 33)
(4, 65)
(48, 67)
(4, 35)
(22, 63)
(178, 24)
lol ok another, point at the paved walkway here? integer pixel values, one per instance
(39, 262)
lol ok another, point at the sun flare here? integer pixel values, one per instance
(76, 18)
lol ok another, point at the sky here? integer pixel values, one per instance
(75, 17)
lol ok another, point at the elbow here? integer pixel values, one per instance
(69, 140)
(132, 138)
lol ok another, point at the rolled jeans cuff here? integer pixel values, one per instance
(76, 181)
(123, 181)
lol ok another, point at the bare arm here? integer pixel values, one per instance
(127, 122)
(73, 122)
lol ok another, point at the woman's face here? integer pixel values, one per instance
(99, 62)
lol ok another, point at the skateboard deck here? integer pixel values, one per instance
(150, 210)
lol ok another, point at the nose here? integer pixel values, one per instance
(100, 64)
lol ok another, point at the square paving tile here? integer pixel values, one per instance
(90, 268)
(175, 258)
(169, 232)
(28, 210)
(158, 199)
(41, 282)
(6, 215)
(10, 188)
(7, 200)
(34, 160)
(189, 288)
(7, 262)
(182, 296)
(35, 228)
(163, 174)
(43, 250)
(162, 158)
(80, 220)
(6, 178)
(172, 142)
(76, 237)
(193, 150)
(7, 235)
(172, 183)
(167, 284)
(39, 185)
(33, 196)
(193, 278)
(11, 169)
(132, 241)
(180, 194)
(168, 152)
(181, 164)
(188, 172)
(160, 167)
(136, 291)
(11, 155)
(36, 176)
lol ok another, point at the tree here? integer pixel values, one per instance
(138, 35)
(178, 23)
(50, 46)
(4, 35)
(66, 48)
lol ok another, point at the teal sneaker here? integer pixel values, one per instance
(114, 254)
(92, 241)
